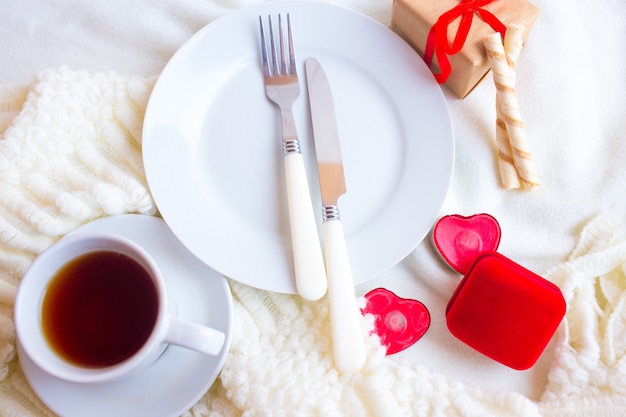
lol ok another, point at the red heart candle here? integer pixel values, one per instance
(399, 322)
(461, 239)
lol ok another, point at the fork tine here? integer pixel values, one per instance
(292, 56)
(274, 68)
(283, 62)
(266, 68)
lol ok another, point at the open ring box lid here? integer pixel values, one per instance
(499, 308)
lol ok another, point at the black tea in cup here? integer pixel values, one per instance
(99, 309)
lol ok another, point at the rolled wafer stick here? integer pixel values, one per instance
(508, 172)
(504, 78)
(513, 44)
(506, 165)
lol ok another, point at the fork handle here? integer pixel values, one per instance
(345, 316)
(310, 273)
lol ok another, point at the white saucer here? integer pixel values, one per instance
(180, 377)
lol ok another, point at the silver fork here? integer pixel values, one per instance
(282, 88)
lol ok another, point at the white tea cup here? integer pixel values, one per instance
(94, 307)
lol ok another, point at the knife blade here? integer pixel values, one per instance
(348, 345)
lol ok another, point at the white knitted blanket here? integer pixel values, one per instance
(70, 152)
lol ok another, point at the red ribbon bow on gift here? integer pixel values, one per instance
(437, 41)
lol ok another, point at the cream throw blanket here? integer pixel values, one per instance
(70, 152)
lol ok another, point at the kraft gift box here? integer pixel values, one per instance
(413, 20)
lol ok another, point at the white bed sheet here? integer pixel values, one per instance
(571, 88)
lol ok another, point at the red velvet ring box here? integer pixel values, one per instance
(505, 311)
(499, 308)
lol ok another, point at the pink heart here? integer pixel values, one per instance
(399, 322)
(461, 239)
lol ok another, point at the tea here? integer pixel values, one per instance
(99, 309)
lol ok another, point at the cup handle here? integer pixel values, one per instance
(194, 336)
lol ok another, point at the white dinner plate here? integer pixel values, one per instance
(212, 148)
(180, 377)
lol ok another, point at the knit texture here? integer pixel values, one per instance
(71, 153)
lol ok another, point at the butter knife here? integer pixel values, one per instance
(345, 316)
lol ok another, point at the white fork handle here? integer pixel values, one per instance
(345, 317)
(310, 274)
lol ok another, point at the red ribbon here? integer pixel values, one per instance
(437, 41)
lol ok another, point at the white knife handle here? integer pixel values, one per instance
(311, 282)
(345, 316)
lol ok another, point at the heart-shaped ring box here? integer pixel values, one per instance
(499, 308)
